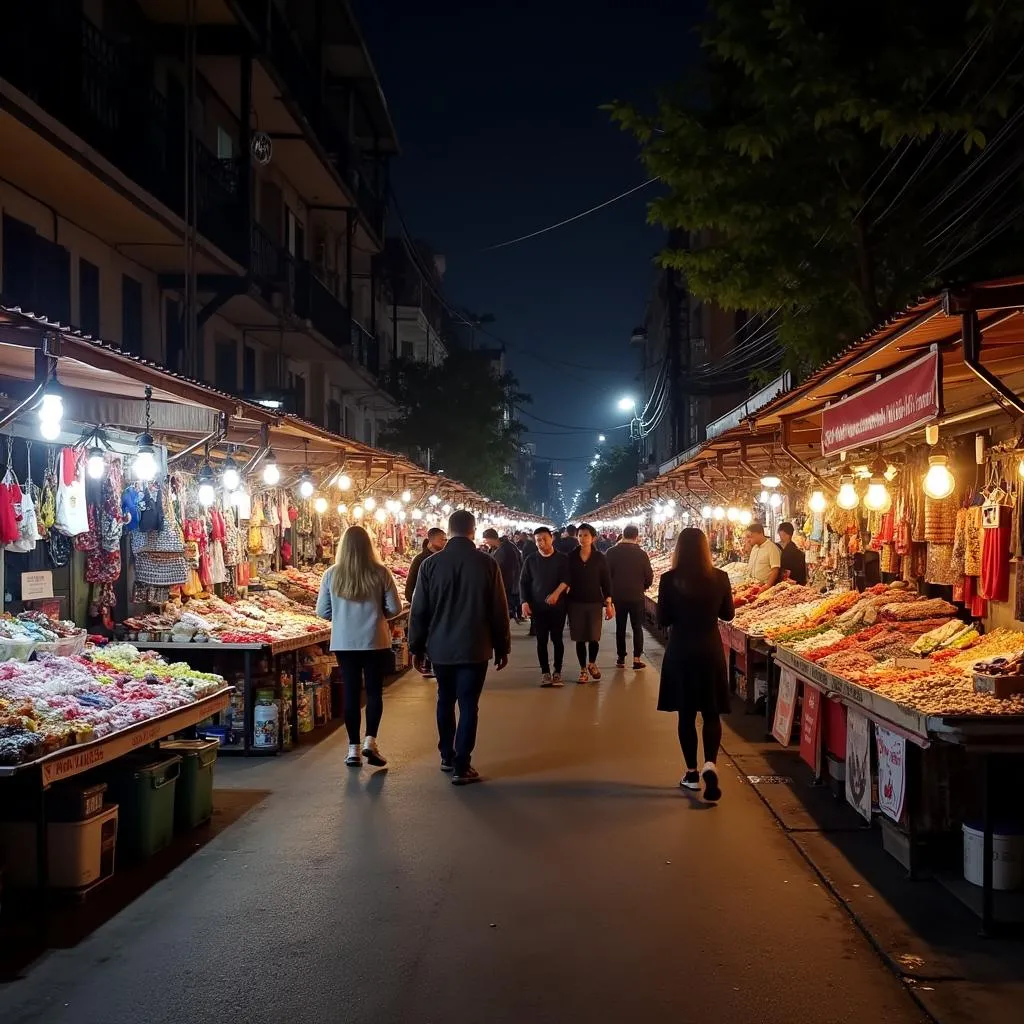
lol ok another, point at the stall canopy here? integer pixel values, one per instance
(977, 332)
(105, 386)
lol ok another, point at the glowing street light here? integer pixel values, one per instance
(627, 404)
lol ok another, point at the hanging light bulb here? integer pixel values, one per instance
(719, 514)
(344, 482)
(320, 505)
(357, 512)
(49, 430)
(271, 474)
(847, 496)
(775, 501)
(401, 516)
(745, 518)
(434, 500)
(447, 510)
(306, 484)
(51, 412)
(95, 465)
(231, 478)
(205, 479)
(770, 480)
(342, 509)
(406, 496)
(732, 514)
(818, 502)
(763, 497)
(938, 481)
(706, 511)
(369, 504)
(144, 463)
(417, 514)
(877, 495)
(380, 515)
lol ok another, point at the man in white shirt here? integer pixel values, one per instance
(764, 560)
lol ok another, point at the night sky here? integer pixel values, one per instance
(496, 109)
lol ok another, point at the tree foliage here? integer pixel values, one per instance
(614, 473)
(457, 412)
(833, 161)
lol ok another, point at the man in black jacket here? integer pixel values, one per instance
(436, 540)
(510, 562)
(459, 619)
(631, 575)
(543, 584)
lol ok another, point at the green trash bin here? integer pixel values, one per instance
(143, 788)
(193, 794)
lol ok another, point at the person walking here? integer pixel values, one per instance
(435, 541)
(590, 589)
(631, 574)
(358, 594)
(510, 562)
(692, 596)
(569, 543)
(459, 619)
(543, 585)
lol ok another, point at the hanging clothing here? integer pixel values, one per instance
(72, 517)
(995, 557)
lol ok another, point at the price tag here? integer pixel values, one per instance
(36, 586)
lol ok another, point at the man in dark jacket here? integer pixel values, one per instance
(510, 562)
(631, 575)
(459, 619)
(543, 585)
(567, 544)
(435, 542)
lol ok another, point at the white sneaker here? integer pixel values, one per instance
(372, 754)
(353, 760)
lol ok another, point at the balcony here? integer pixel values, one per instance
(315, 302)
(365, 348)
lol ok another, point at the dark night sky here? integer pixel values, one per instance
(496, 109)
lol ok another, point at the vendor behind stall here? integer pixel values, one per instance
(792, 560)
(764, 560)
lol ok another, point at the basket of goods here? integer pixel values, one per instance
(1001, 677)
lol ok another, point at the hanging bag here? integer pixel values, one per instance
(28, 527)
(72, 517)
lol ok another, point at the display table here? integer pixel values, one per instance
(745, 653)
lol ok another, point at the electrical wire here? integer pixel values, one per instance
(566, 426)
(570, 220)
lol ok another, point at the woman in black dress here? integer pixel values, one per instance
(692, 597)
(590, 589)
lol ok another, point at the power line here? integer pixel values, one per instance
(569, 220)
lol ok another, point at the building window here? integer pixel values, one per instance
(248, 370)
(225, 365)
(334, 411)
(131, 315)
(225, 145)
(295, 235)
(89, 297)
(37, 272)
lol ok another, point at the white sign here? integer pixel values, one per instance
(785, 707)
(858, 763)
(892, 772)
(36, 585)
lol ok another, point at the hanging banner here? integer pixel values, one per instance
(858, 763)
(810, 728)
(892, 772)
(897, 403)
(785, 707)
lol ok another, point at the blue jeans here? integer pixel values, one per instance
(461, 684)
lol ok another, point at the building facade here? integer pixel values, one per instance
(413, 274)
(206, 193)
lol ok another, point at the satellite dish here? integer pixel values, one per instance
(262, 148)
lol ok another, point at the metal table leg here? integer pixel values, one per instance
(248, 713)
(295, 698)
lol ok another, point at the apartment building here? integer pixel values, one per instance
(203, 183)
(414, 275)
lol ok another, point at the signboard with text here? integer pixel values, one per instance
(858, 763)
(892, 772)
(36, 585)
(810, 728)
(897, 403)
(785, 707)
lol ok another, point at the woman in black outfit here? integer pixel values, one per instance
(692, 597)
(590, 587)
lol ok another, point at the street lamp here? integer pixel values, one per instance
(627, 404)
(601, 439)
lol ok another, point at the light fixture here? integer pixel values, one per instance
(344, 482)
(271, 474)
(306, 484)
(818, 502)
(745, 518)
(230, 476)
(732, 514)
(770, 480)
(763, 497)
(718, 514)
(380, 515)
(205, 480)
(601, 439)
(357, 512)
(847, 496)
(320, 505)
(391, 505)
(938, 481)
(447, 510)
(406, 496)
(95, 465)
(775, 501)
(369, 503)
(417, 514)
(434, 500)
(51, 412)
(626, 404)
(877, 497)
(342, 509)
(706, 511)
(401, 516)
(144, 464)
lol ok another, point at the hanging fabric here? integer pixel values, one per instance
(72, 517)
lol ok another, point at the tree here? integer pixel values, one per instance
(458, 412)
(614, 473)
(830, 162)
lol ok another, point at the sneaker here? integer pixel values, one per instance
(595, 672)
(620, 662)
(556, 679)
(465, 777)
(638, 665)
(691, 780)
(373, 756)
(546, 680)
(353, 760)
(584, 678)
(712, 791)
(447, 765)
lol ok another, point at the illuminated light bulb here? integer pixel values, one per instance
(391, 505)
(401, 516)
(231, 478)
(94, 466)
(406, 496)
(144, 464)
(770, 480)
(49, 430)
(342, 509)
(847, 496)
(775, 501)
(271, 474)
(417, 514)
(306, 485)
(357, 512)
(818, 502)
(207, 495)
(877, 495)
(380, 515)
(706, 511)
(51, 408)
(369, 504)
(447, 510)
(938, 481)
(718, 514)
(320, 505)
(344, 482)
(434, 500)
(763, 497)
(732, 514)
(746, 518)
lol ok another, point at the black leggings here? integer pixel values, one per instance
(712, 732)
(582, 652)
(361, 669)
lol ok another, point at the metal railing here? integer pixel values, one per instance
(365, 348)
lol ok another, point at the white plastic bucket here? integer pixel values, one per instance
(1007, 859)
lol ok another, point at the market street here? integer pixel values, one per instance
(578, 884)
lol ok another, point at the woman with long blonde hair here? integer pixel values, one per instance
(358, 594)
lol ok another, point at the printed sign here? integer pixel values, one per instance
(785, 707)
(36, 585)
(858, 763)
(810, 728)
(898, 403)
(892, 772)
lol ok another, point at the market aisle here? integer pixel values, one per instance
(578, 884)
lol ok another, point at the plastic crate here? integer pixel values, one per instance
(145, 788)
(193, 795)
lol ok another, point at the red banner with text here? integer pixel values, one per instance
(897, 403)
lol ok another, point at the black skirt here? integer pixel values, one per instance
(694, 677)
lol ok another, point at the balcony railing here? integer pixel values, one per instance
(315, 302)
(365, 348)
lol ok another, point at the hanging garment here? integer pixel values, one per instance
(218, 568)
(71, 517)
(995, 558)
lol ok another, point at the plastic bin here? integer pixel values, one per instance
(144, 788)
(1007, 856)
(193, 795)
(75, 801)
